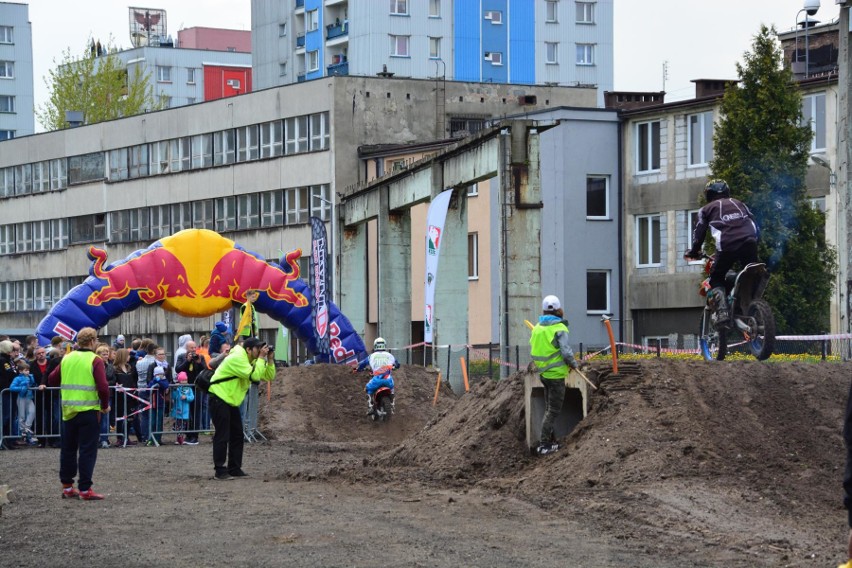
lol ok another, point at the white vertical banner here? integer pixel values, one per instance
(434, 235)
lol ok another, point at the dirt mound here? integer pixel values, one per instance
(327, 403)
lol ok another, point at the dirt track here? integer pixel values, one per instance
(674, 466)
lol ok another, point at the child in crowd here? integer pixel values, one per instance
(159, 385)
(24, 385)
(182, 395)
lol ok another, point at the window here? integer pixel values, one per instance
(7, 239)
(434, 8)
(551, 52)
(58, 234)
(6, 34)
(597, 197)
(552, 11)
(691, 222)
(138, 161)
(201, 147)
(7, 182)
(313, 61)
(166, 101)
(7, 70)
(24, 295)
(647, 240)
(311, 20)
(7, 296)
(399, 7)
(58, 289)
(181, 217)
(495, 57)
(190, 76)
(817, 204)
(248, 211)
(473, 256)
(226, 214)
(813, 112)
(41, 235)
(271, 139)
(7, 103)
(161, 224)
(164, 74)
(23, 237)
(58, 174)
(496, 16)
(7, 134)
(41, 177)
(282, 29)
(585, 12)
(434, 48)
(23, 179)
(272, 209)
(296, 205)
(87, 228)
(282, 69)
(700, 133)
(296, 135)
(129, 225)
(320, 202)
(179, 154)
(88, 167)
(160, 157)
(585, 54)
(118, 165)
(399, 46)
(597, 292)
(319, 131)
(203, 214)
(654, 341)
(473, 190)
(224, 147)
(247, 143)
(648, 146)
(190, 100)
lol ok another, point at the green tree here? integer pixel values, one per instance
(762, 150)
(99, 87)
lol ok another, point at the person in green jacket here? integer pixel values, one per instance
(552, 357)
(248, 363)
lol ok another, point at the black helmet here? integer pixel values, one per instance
(716, 189)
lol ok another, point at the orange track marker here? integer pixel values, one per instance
(464, 374)
(437, 388)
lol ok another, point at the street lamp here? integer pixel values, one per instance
(332, 250)
(810, 8)
(820, 161)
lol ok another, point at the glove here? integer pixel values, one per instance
(574, 366)
(692, 255)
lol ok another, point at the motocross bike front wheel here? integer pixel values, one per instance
(386, 404)
(712, 344)
(761, 322)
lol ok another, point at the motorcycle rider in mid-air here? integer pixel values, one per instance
(735, 231)
(381, 362)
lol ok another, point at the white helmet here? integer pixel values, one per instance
(550, 303)
(379, 344)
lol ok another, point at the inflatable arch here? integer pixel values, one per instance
(197, 273)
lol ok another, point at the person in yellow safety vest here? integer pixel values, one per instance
(84, 396)
(248, 363)
(552, 357)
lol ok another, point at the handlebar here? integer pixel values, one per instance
(702, 256)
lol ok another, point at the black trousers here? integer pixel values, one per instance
(228, 437)
(79, 450)
(725, 260)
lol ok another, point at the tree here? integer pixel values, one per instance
(762, 150)
(99, 87)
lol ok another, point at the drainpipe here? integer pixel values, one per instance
(620, 235)
(505, 187)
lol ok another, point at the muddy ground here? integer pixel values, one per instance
(677, 464)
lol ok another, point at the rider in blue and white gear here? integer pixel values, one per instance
(381, 363)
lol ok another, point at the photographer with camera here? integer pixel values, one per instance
(192, 363)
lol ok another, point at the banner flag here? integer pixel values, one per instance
(435, 219)
(318, 283)
(282, 343)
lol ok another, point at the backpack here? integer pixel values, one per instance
(205, 378)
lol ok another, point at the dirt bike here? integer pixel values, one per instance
(750, 315)
(382, 405)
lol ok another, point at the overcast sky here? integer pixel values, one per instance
(698, 38)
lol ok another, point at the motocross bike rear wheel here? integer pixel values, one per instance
(762, 323)
(386, 405)
(712, 344)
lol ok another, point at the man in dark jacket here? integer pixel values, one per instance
(7, 375)
(735, 232)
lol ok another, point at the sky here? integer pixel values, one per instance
(700, 39)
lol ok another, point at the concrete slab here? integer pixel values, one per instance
(574, 409)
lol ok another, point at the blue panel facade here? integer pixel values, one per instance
(467, 23)
(315, 40)
(495, 39)
(522, 42)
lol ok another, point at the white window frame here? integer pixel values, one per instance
(551, 52)
(7, 134)
(164, 74)
(698, 138)
(272, 139)
(159, 157)
(473, 190)
(24, 237)
(160, 221)
(399, 7)
(650, 244)
(7, 182)
(180, 155)
(400, 45)
(585, 54)
(690, 229)
(646, 140)
(58, 174)
(58, 234)
(296, 205)
(7, 35)
(494, 16)
(204, 214)
(41, 177)
(137, 161)
(7, 296)
(473, 256)
(813, 113)
(226, 214)
(434, 48)
(319, 135)
(24, 295)
(312, 61)
(272, 208)
(7, 104)
(608, 308)
(224, 147)
(41, 293)
(282, 29)
(282, 69)
(296, 135)
(312, 20)
(248, 145)
(320, 202)
(41, 235)
(248, 211)
(606, 215)
(190, 75)
(7, 239)
(551, 12)
(7, 69)
(181, 217)
(118, 164)
(585, 13)
(495, 57)
(23, 179)
(434, 8)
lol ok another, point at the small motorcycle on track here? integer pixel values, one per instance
(382, 405)
(750, 315)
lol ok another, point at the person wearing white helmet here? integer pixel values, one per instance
(552, 356)
(381, 362)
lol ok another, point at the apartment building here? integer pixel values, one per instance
(17, 116)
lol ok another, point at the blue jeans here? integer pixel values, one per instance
(104, 427)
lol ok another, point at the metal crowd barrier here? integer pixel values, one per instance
(131, 415)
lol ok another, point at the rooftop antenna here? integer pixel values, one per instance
(665, 74)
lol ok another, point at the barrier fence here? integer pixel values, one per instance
(132, 415)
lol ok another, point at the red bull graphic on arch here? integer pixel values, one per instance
(198, 273)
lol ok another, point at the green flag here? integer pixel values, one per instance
(282, 344)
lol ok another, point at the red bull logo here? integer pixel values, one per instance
(339, 351)
(239, 271)
(156, 274)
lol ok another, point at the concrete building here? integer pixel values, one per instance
(253, 167)
(501, 41)
(215, 39)
(17, 117)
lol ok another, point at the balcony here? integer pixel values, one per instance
(337, 29)
(300, 78)
(300, 3)
(300, 41)
(338, 69)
